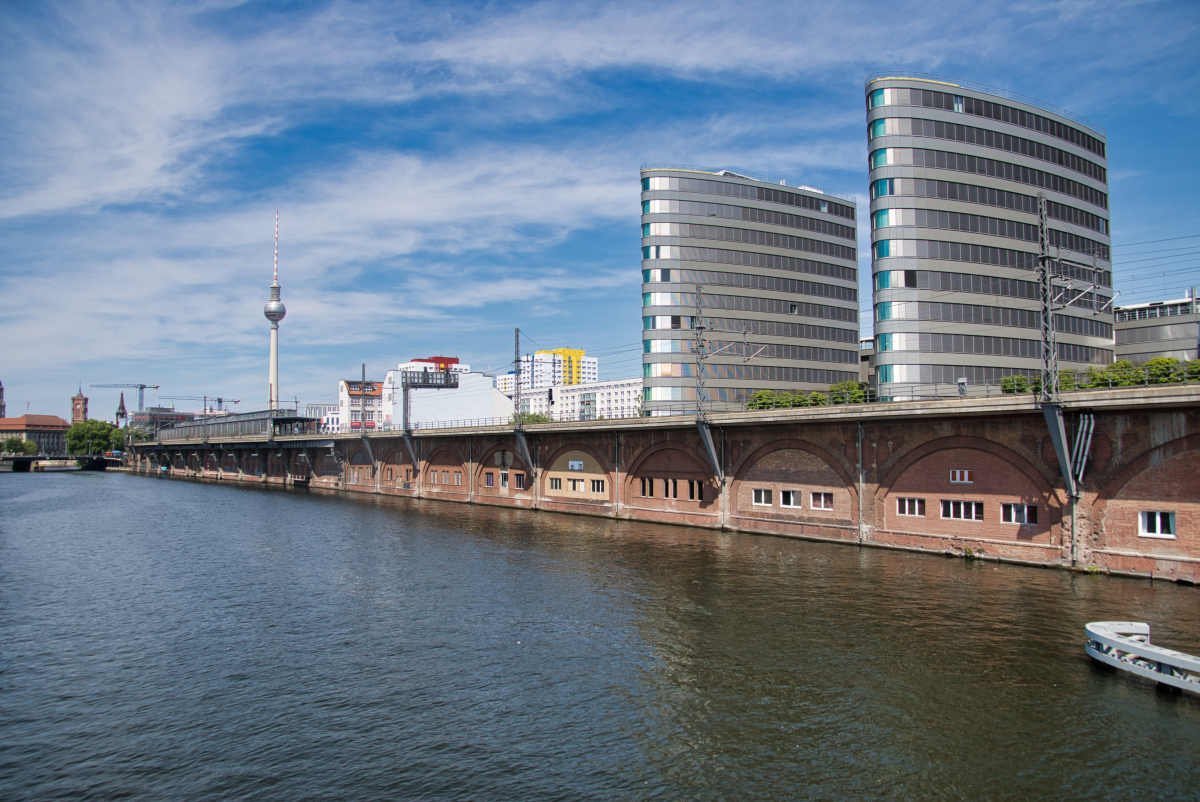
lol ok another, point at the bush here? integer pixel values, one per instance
(530, 417)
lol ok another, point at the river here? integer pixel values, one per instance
(172, 640)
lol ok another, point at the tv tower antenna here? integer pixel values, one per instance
(274, 312)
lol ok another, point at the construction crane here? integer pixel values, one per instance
(203, 398)
(141, 388)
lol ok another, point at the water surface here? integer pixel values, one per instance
(175, 640)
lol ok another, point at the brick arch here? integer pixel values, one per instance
(986, 487)
(486, 459)
(454, 462)
(758, 455)
(605, 465)
(978, 444)
(644, 456)
(1154, 458)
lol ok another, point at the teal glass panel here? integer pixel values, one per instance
(882, 249)
(879, 158)
(876, 98)
(646, 298)
(645, 185)
(646, 371)
(645, 346)
(883, 342)
(877, 128)
(646, 252)
(647, 323)
(883, 280)
(646, 277)
(881, 218)
(645, 207)
(883, 311)
(645, 393)
(645, 229)
(883, 373)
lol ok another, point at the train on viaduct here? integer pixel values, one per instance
(979, 477)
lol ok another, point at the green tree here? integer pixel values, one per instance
(848, 392)
(530, 417)
(13, 445)
(93, 437)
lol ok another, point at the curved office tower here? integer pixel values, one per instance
(778, 288)
(956, 175)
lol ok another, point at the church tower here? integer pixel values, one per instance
(79, 407)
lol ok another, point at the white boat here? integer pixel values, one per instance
(1126, 645)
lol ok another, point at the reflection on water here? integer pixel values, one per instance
(172, 640)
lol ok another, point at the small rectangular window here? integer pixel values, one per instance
(445, 477)
(519, 480)
(695, 490)
(504, 478)
(458, 478)
(673, 487)
(962, 477)
(790, 498)
(556, 484)
(762, 497)
(1157, 525)
(1018, 513)
(433, 477)
(963, 510)
(647, 488)
(597, 485)
(822, 501)
(911, 506)
(489, 479)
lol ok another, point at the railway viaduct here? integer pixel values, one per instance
(976, 477)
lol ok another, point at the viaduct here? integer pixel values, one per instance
(978, 476)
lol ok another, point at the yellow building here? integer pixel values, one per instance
(574, 364)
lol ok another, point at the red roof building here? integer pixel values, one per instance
(48, 431)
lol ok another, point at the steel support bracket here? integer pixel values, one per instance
(710, 448)
(412, 453)
(370, 453)
(1058, 436)
(523, 450)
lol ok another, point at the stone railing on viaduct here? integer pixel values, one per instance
(977, 476)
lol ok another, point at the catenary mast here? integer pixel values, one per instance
(274, 312)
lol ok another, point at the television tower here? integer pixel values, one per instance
(274, 312)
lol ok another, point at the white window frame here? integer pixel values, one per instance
(792, 499)
(917, 505)
(1010, 513)
(976, 507)
(762, 497)
(822, 494)
(1154, 530)
(962, 476)
(555, 483)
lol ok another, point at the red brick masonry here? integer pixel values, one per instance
(976, 476)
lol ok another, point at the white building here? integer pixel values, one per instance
(360, 405)
(475, 398)
(618, 398)
(546, 369)
(328, 415)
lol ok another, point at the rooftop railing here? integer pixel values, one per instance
(766, 179)
(901, 74)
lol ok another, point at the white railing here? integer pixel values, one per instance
(1126, 645)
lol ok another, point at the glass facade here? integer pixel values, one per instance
(764, 277)
(927, 220)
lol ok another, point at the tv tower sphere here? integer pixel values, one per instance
(274, 309)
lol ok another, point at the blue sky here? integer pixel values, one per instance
(445, 173)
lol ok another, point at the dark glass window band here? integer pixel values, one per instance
(771, 373)
(976, 224)
(771, 283)
(772, 328)
(768, 216)
(775, 306)
(1003, 316)
(981, 345)
(703, 187)
(807, 353)
(984, 196)
(977, 254)
(986, 138)
(750, 259)
(766, 238)
(944, 160)
(998, 111)
(982, 285)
